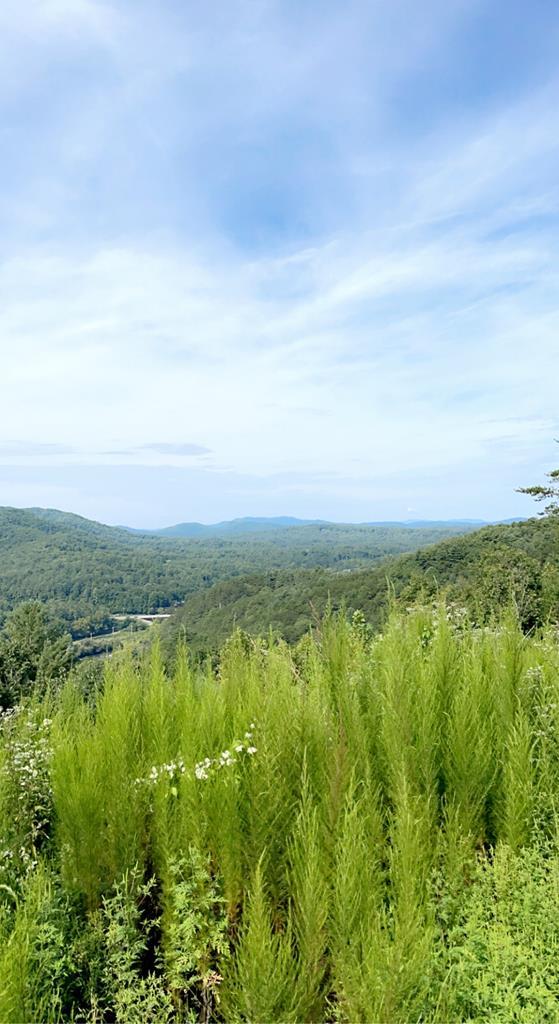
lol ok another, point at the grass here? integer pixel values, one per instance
(357, 829)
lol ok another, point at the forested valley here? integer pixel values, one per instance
(85, 572)
(481, 571)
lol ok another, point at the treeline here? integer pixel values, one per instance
(482, 571)
(357, 829)
(86, 572)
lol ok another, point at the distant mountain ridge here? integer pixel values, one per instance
(247, 524)
(55, 518)
(260, 524)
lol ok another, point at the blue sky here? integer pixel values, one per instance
(262, 258)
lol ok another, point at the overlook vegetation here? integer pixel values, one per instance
(361, 828)
(86, 572)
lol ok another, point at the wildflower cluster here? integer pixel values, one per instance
(171, 772)
(26, 771)
(210, 765)
(455, 615)
(361, 630)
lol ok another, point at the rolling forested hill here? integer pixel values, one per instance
(481, 571)
(255, 524)
(86, 571)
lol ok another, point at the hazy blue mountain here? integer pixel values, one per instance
(248, 524)
(257, 524)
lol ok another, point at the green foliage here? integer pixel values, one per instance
(126, 984)
(309, 885)
(504, 577)
(262, 983)
(36, 972)
(194, 933)
(502, 952)
(361, 829)
(26, 804)
(34, 651)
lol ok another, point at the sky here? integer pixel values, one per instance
(278, 257)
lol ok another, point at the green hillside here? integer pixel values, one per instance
(86, 571)
(481, 571)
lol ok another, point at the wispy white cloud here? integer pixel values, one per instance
(32, 449)
(226, 226)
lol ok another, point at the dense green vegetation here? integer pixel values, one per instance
(85, 572)
(481, 571)
(34, 652)
(362, 828)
